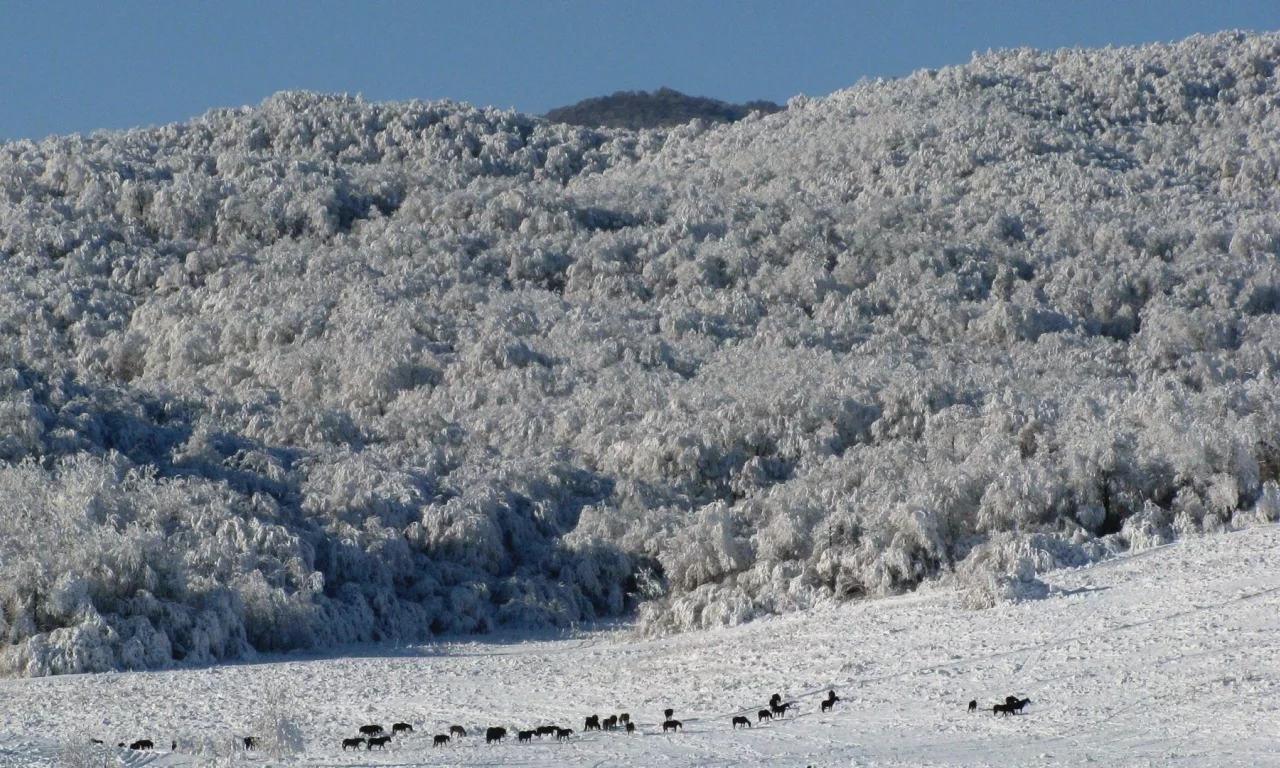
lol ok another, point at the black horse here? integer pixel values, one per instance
(737, 721)
(440, 740)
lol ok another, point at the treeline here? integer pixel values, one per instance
(324, 371)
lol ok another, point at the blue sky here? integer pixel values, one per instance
(77, 66)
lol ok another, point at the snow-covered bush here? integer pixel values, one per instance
(324, 371)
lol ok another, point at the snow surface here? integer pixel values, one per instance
(1167, 657)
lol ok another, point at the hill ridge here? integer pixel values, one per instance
(325, 371)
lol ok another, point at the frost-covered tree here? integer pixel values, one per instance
(324, 371)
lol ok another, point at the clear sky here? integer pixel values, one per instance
(76, 66)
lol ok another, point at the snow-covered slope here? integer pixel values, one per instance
(324, 371)
(1167, 657)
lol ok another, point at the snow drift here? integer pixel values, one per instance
(325, 371)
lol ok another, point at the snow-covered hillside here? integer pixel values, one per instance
(1166, 657)
(324, 371)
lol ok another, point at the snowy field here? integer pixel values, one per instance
(1165, 657)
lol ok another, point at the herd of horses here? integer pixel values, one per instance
(1012, 706)
(146, 745)
(375, 736)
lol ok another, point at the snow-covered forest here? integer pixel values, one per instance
(325, 371)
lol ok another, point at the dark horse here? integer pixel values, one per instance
(440, 740)
(737, 721)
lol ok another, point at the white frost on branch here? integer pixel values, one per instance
(323, 371)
